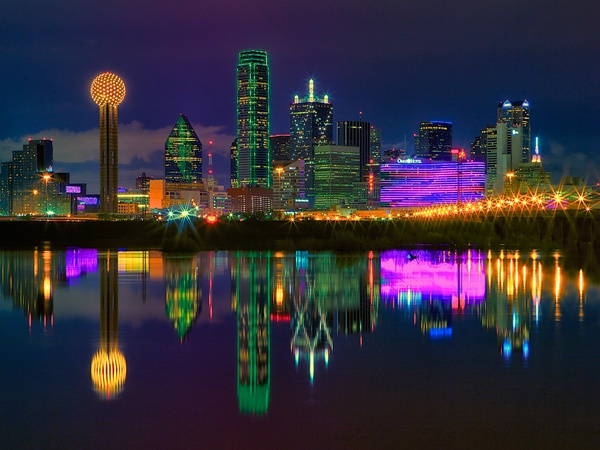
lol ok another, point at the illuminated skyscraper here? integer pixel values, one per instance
(27, 182)
(434, 141)
(183, 154)
(280, 147)
(234, 163)
(254, 159)
(357, 134)
(108, 91)
(336, 175)
(311, 124)
(516, 113)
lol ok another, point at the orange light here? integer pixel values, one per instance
(107, 88)
(211, 219)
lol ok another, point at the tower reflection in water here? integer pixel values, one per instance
(251, 295)
(108, 369)
(183, 294)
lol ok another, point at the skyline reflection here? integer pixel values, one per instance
(323, 296)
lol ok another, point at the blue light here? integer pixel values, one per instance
(440, 333)
(526, 349)
(507, 348)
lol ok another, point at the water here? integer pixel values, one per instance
(414, 349)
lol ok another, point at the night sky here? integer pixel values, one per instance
(399, 62)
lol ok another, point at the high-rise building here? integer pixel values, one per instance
(142, 183)
(415, 183)
(434, 141)
(516, 113)
(254, 159)
(289, 186)
(233, 165)
(337, 172)
(375, 145)
(357, 134)
(311, 124)
(108, 91)
(28, 184)
(183, 154)
(503, 155)
(479, 146)
(280, 147)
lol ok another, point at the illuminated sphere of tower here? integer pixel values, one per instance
(108, 371)
(107, 88)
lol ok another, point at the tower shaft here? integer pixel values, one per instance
(109, 158)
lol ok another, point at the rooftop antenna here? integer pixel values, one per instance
(311, 90)
(360, 115)
(211, 179)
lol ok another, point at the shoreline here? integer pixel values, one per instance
(563, 230)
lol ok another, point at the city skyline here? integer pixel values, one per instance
(387, 73)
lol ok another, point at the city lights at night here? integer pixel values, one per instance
(389, 239)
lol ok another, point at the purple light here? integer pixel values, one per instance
(92, 201)
(80, 261)
(72, 189)
(411, 185)
(438, 275)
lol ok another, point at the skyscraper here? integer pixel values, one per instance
(254, 159)
(280, 147)
(336, 175)
(233, 165)
(311, 124)
(434, 141)
(108, 91)
(27, 184)
(357, 134)
(503, 155)
(516, 113)
(183, 154)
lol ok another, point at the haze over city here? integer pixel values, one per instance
(397, 63)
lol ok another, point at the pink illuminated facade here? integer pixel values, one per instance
(416, 183)
(414, 276)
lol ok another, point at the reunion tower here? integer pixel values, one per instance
(108, 91)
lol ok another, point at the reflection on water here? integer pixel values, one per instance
(323, 297)
(108, 368)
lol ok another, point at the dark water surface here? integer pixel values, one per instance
(398, 349)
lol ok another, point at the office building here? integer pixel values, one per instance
(254, 159)
(357, 134)
(233, 165)
(251, 200)
(183, 154)
(434, 141)
(337, 172)
(142, 183)
(288, 187)
(311, 124)
(503, 155)
(416, 183)
(516, 114)
(280, 147)
(108, 91)
(28, 184)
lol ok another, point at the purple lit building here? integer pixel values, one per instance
(415, 183)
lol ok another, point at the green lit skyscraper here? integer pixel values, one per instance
(183, 154)
(254, 160)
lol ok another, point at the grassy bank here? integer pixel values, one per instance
(563, 230)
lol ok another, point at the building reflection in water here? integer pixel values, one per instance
(29, 278)
(509, 301)
(251, 295)
(433, 285)
(108, 369)
(183, 294)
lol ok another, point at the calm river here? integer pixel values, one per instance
(398, 349)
